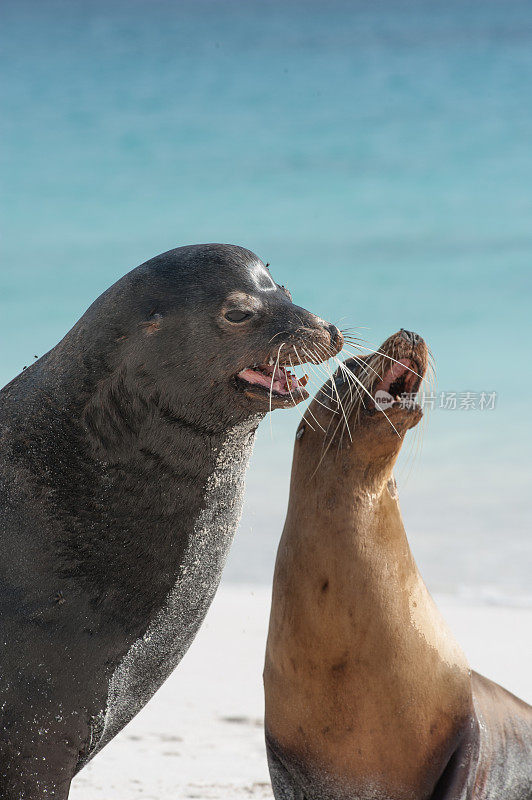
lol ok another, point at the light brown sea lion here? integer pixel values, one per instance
(368, 695)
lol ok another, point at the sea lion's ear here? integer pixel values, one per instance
(287, 292)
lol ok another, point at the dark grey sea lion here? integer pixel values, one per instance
(122, 460)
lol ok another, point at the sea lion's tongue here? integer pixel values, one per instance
(278, 379)
(401, 377)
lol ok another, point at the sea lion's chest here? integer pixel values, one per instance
(152, 657)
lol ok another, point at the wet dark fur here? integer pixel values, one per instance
(106, 446)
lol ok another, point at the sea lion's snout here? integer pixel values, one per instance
(390, 377)
(375, 394)
(410, 336)
(286, 336)
(337, 340)
(272, 377)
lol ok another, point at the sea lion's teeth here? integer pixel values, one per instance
(271, 362)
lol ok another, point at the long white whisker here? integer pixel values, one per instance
(292, 396)
(354, 377)
(330, 396)
(340, 405)
(319, 385)
(271, 387)
(385, 355)
(365, 364)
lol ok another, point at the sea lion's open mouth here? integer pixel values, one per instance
(388, 379)
(272, 382)
(277, 380)
(374, 393)
(402, 378)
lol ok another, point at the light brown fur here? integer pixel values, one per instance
(364, 682)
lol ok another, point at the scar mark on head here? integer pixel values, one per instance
(262, 278)
(152, 325)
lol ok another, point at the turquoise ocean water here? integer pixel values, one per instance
(379, 155)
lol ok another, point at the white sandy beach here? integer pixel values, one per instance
(201, 735)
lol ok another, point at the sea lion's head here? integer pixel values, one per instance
(208, 331)
(363, 413)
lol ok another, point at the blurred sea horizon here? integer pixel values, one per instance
(377, 155)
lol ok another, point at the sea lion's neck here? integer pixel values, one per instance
(384, 689)
(123, 478)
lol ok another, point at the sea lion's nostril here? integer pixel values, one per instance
(410, 336)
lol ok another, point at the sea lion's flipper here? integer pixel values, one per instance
(284, 784)
(505, 765)
(458, 776)
(494, 757)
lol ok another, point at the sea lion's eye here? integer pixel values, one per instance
(235, 315)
